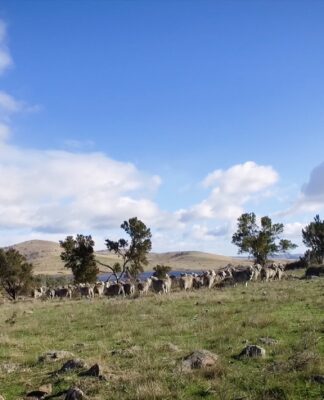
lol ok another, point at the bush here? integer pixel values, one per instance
(316, 270)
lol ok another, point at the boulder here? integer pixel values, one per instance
(41, 393)
(74, 363)
(199, 359)
(94, 371)
(252, 351)
(46, 388)
(75, 394)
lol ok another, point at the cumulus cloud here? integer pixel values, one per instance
(231, 189)
(57, 191)
(314, 188)
(311, 196)
(5, 57)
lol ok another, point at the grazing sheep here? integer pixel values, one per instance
(161, 286)
(186, 281)
(143, 287)
(115, 289)
(63, 292)
(129, 288)
(99, 289)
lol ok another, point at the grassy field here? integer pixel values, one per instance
(140, 342)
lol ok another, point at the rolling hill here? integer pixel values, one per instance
(45, 256)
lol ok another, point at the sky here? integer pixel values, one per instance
(183, 113)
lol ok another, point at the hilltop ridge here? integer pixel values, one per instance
(45, 255)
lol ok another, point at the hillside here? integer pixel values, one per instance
(45, 256)
(140, 343)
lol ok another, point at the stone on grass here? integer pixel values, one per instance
(54, 355)
(41, 393)
(252, 351)
(75, 394)
(74, 363)
(92, 371)
(199, 359)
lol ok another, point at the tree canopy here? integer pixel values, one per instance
(133, 252)
(260, 242)
(313, 238)
(78, 255)
(160, 271)
(16, 274)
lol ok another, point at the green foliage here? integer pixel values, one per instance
(16, 274)
(160, 271)
(53, 281)
(313, 237)
(78, 255)
(260, 242)
(133, 252)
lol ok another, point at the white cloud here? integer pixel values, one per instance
(314, 188)
(5, 57)
(57, 191)
(231, 189)
(311, 196)
(294, 229)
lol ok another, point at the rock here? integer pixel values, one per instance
(318, 379)
(54, 355)
(268, 341)
(75, 394)
(252, 351)
(92, 371)
(36, 394)
(199, 359)
(75, 363)
(46, 388)
(41, 393)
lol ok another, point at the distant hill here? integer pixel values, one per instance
(45, 256)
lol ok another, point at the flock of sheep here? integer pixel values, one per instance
(186, 281)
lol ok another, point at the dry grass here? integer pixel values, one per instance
(139, 343)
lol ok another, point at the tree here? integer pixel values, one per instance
(260, 242)
(160, 271)
(313, 237)
(132, 253)
(78, 255)
(16, 274)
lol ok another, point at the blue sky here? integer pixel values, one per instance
(126, 107)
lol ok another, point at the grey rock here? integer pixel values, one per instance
(75, 363)
(92, 371)
(252, 351)
(75, 394)
(198, 359)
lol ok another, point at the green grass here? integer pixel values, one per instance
(131, 339)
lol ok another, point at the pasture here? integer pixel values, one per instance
(139, 343)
